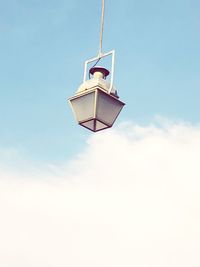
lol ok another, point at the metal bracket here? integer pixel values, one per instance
(112, 53)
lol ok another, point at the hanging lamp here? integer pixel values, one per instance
(96, 104)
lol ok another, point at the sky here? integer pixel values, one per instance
(124, 196)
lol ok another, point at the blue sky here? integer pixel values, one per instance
(69, 197)
(43, 45)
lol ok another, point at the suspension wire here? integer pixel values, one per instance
(101, 35)
(94, 65)
(102, 28)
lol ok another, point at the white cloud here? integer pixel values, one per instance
(132, 198)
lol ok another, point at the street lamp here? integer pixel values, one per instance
(96, 104)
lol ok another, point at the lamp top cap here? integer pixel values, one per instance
(103, 70)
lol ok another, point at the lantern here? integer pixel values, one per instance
(96, 104)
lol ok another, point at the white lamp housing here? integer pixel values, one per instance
(96, 104)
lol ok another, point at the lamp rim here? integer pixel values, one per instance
(93, 90)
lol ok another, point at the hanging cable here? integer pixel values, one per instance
(101, 35)
(102, 28)
(95, 65)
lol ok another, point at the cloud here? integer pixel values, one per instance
(132, 198)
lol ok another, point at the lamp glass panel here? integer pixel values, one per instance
(100, 126)
(89, 124)
(108, 108)
(83, 106)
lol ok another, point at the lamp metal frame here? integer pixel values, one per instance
(100, 56)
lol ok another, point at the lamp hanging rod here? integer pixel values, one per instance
(101, 29)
